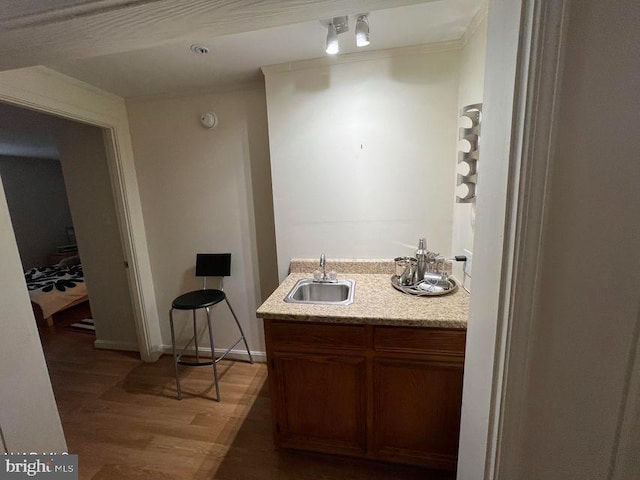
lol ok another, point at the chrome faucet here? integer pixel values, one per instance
(323, 266)
(322, 276)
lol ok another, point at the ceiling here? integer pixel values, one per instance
(236, 59)
(144, 54)
(44, 32)
(13, 9)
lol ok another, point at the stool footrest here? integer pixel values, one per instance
(194, 364)
(225, 353)
(202, 364)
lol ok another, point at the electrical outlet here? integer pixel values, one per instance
(469, 263)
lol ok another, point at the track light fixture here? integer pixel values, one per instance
(338, 25)
(362, 30)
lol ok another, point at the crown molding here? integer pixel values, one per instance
(475, 23)
(327, 61)
(54, 74)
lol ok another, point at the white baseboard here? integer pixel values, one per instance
(235, 354)
(109, 345)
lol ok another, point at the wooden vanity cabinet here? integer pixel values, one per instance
(378, 392)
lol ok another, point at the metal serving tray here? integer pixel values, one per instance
(424, 288)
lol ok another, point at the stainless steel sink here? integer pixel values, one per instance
(322, 293)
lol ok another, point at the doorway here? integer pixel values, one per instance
(46, 91)
(90, 218)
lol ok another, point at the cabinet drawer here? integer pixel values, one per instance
(320, 335)
(420, 340)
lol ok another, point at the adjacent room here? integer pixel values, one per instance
(36, 195)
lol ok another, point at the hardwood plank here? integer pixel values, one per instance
(111, 434)
(121, 472)
(100, 409)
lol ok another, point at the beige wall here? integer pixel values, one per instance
(588, 313)
(38, 204)
(470, 90)
(197, 188)
(361, 154)
(84, 163)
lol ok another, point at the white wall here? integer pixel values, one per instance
(38, 204)
(197, 195)
(84, 163)
(470, 91)
(361, 154)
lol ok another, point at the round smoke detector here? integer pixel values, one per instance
(209, 120)
(199, 49)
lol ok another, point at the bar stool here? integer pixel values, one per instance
(207, 265)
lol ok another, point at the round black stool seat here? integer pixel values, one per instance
(198, 299)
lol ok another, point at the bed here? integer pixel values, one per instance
(55, 288)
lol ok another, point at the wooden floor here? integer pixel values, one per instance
(121, 417)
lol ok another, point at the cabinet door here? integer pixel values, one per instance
(320, 402)
(417, 411)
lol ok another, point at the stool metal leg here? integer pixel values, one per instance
(213, 355)
(175, 355)
(195, 336)
(239, 328)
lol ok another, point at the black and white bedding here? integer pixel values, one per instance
(55, 288)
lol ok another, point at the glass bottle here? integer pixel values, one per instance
(422, 257)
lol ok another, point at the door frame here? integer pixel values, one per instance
(47, 91)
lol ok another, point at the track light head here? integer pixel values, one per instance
(332, 40)
(362, 30)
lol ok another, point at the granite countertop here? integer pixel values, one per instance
(376, 302)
